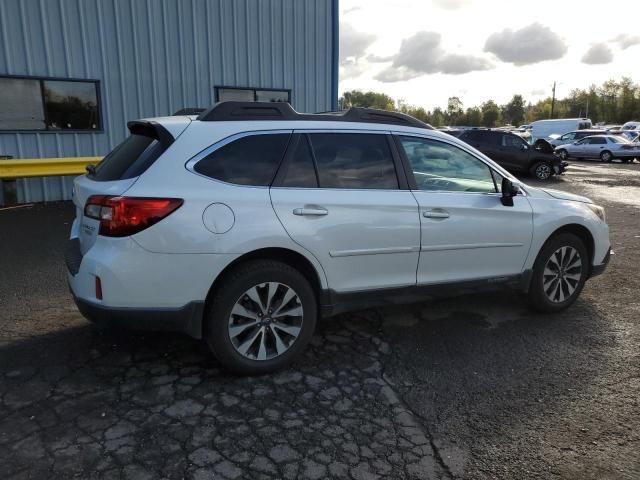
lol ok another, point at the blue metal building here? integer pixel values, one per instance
(73, 72)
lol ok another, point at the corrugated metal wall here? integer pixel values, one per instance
(153, 57)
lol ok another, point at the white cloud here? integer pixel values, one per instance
(451, 4)
(625, 40)
(422, 53)
(598, 54)
(531, 44)
(353, 43)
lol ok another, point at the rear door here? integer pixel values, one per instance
(340, 197)
(115, 174)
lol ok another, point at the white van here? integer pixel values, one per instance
(634, 126)
(546, 129)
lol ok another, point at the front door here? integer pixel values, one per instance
(467, 234)
(338, 195)
(514, 152)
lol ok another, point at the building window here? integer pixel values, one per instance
(224, 94)
(28, 103)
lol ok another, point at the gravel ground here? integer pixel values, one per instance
(472, 387)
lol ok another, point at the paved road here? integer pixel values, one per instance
(471, 387)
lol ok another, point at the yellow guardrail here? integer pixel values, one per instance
(44, 167)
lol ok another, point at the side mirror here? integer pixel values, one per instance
(509, 190)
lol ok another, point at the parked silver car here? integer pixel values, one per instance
(604, 147)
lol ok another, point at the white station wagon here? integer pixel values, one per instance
(246, 223)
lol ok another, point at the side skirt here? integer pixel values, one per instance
(339, 302)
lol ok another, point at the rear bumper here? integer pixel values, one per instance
(599, 269)
(187, 319)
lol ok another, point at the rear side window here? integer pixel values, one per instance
(598, 141)
(473, 136)
(359, 161)
(129, 159)
(251, 160)
(300, 171)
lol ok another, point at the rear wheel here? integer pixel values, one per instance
(541, 170)
(261, 317)
(559, 273)
(606, 156)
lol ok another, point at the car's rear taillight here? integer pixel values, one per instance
(124, 216)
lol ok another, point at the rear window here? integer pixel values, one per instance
(251, 160)
(129, 159)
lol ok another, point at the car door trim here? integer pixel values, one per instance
(372, 251)
(467, 246)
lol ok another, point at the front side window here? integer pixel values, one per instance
(439, 166)
(354, 160)
(511, 141)
(251, 160)
(43, 104)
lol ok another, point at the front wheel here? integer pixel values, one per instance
(606, 156)
(563, 154)
(559, 273)
(262, 316)
(542, 171)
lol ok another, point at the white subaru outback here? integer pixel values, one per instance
(246, 223)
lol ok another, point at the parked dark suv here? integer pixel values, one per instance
(513, 153)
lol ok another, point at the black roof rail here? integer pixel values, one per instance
(230, 111)
(189, 111)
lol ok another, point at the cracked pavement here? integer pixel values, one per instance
(470, 387)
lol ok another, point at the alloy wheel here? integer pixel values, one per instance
(265, 321)
(562, 274)
(543, 171)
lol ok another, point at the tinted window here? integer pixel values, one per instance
(21, 104)
(299, 171)
(251, 160)
(129, 159)
(439, 166)
(598, 141)
(37, 104)
(511, 141)
(472, 136)
(71, 105)
(347, 160)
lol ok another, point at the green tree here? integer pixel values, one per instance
(513, 112)
(490, 113)
(356, 98)
(454, 110)
(473, 117)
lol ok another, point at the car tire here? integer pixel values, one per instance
(563, 154)
(559, 273)
(541, 171)
(606, 156)
(241, 326)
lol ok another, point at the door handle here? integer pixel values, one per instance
(313, 212)
(435, 214)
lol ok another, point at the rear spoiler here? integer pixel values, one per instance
(151, 129)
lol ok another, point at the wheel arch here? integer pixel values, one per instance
(580, 231)
(284, 255)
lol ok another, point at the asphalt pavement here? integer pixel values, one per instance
(470, 387)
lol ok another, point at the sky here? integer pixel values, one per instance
(425, 51)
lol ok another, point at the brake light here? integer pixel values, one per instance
(124, 216)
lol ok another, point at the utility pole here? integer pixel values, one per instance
(553, 99)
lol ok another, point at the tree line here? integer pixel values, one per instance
(613, 102)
